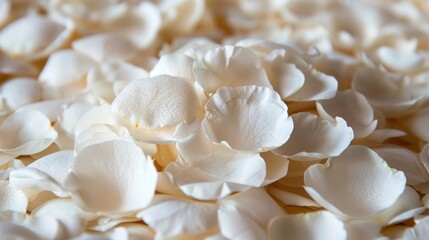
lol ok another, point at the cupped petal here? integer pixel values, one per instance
(246, 215)
(26, 137)
(229, 67)
(105, 47)
(12, 199)
(353, 107)
(309, 226)
(276, 167)
(176, 64)
(14, 67)
(161, 101)
(248, 118)
(34, 36)
(218, 174)
(386, 91)
(112, 177)
(179, 216)
(356, 184)
(21, 91)
(399, 60)
(315, 138)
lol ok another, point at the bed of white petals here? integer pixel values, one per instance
(214, 119)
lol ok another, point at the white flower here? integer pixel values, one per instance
(356, 184)
(249, 118)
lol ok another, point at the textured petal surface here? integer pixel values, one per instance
(112, 177)
(247, 118)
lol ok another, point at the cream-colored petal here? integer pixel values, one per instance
(356, 184)
(229, 67)
(112, 178)
(276, 167)
(248, 118)
(14, 231)
(407, 206)
(14, 67)
(309, 226)
(353, 107)
(101, 79)
(316, 138)
(246, 215)
(65, 67)
(5, 8)
(417, 124)
(170, 216)
(50, 108)
(362, 229)
(21, 91)
(178, 65)
(386, 91)
(219, 174)
(397, 60)
(12, 199)
(403, 159)
(34, 36)
(180, 17)
(105, 47)
(317, 85)
(26, 137)
(290, 198)
(419, 232)
(161, 101)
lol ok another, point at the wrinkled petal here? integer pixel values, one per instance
(247, 118)
(316, 138)
(179, 216)
(356, 184)
(12, 199)
(112, 178)
(309, 226)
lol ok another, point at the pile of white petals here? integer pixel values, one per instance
(214, 119)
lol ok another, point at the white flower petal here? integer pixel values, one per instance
(219, 174)
(385, 91)
(65, 67)
(14, 231)
(417, 124)
(50, 108)
(316, 138)
(404, 160)
(33, 181)
(112, 178)
(180, 17)
(290, 198)
(170, 216)
(356, 184)
(161, 101)
(353, 107)
(178, 65)
(317, 85)
(419, 232)
(105, 47)
(26, 137)
(407, 206)
(248, 118)
(14, 67)
(34, 36)
(246, 215)
(12, 199)
(309, 226)
(20, 91)
(277, 167)
(102, 78)
(229, 67)
(399, 60)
